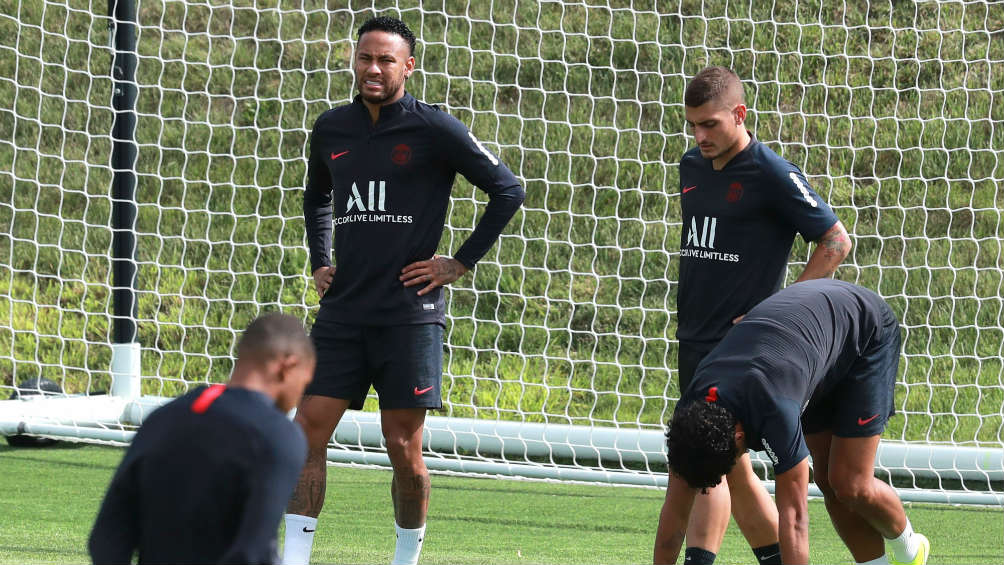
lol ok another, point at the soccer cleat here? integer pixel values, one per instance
(923, 549)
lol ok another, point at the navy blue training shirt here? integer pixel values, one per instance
(741, 219)
(205, 480)
(785, 355)
(387, 186)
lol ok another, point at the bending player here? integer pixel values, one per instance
(208, 474)
(810, 370)
(384, 167)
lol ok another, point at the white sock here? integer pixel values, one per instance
(880, 560)
(905, 546)
(299, 539)
(409, 545)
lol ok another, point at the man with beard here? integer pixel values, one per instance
(381, 170)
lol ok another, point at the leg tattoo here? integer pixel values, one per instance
(411, 499)
(308, 496)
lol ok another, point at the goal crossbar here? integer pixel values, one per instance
(507, 448)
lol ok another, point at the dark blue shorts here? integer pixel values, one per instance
(403, 363)
(688, 357)
(862, 403)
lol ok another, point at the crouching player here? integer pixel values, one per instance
(810, 370)
(208, 474)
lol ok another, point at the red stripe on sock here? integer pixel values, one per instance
(207, 397)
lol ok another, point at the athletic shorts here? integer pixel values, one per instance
(403, 363)
(688, 358)
(862, 403)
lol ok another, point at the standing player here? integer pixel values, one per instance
(818, 358)
(741, 206)
(208, 474)
(386, 164)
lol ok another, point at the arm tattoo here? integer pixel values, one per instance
(831, 248)
(835, 243)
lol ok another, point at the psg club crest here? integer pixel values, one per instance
(735, 192)
(401, 154)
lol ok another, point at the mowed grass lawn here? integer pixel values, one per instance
(51, 495)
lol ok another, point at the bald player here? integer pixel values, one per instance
(208, 474)
(741, 206)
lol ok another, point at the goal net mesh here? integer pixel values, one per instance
(893, 111)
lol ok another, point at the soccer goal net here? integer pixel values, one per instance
(560, 354)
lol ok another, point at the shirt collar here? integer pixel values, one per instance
(390, 110)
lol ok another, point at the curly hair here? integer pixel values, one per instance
(701, 443)
(713, 83)
(390, 25)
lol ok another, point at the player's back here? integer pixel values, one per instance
(197, 470)
(804, 338)
(786, 355)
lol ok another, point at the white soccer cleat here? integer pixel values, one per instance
(923, 550)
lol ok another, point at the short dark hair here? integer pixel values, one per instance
(712, 83)
(701, 443)
(390, 25)
(272, 336)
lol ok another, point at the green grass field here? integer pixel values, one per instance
(51, 496)
(893, 112)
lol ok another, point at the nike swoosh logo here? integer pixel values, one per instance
(306, 531)
(766, 557)
(863, 421)
(687, 189)
(422, 391)
(337, 155)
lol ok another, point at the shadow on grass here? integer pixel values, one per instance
(64, 455)
(514, 487)
(446, 481)
(36, 550)
(59, 445)
(549, 524)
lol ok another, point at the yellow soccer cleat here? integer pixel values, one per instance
(923, 550)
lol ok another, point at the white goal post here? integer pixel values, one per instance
(560, 354)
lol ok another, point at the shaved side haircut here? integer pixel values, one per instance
(714, 84)
(389, 25)
(272, 336)
(207, 476)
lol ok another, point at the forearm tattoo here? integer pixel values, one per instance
(835, 244)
